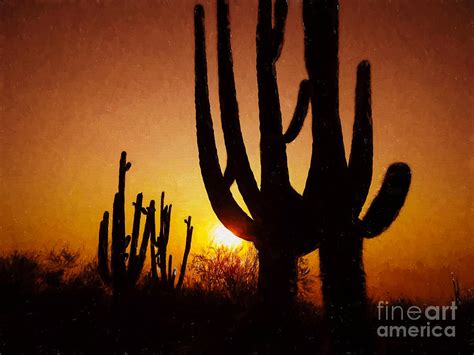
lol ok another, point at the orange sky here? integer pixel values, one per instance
(82, 82)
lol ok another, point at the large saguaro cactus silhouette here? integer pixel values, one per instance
(339, 189)
(284, 224)
(278, 225)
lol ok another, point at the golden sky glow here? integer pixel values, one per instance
(82, 82)
(222, 236)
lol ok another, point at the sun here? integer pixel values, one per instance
(222, 236)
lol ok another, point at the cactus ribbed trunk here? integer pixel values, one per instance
(344, 292)
(277, 279)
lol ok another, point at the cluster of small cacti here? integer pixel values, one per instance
(162, 269)
(123, 269)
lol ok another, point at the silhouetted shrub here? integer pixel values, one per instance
(233, 273)
(58, 264)
(86, 276)
(20, 273)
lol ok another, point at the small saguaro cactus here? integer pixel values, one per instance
(187, 249)
(125, 268)
(162, 272)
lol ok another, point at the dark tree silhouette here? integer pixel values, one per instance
(122, 275)
(283, 224)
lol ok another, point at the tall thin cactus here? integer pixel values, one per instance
(125, 268)
(187, 249)
(162, 270)
(284, 224)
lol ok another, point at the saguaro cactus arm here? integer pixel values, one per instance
(222, 201)
(274, 172)
(236, 152)
(301, 110)
(391, 197)
(388, 202)
(278, 32)
(361, 158)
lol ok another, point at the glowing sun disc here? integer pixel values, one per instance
(222, 236)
